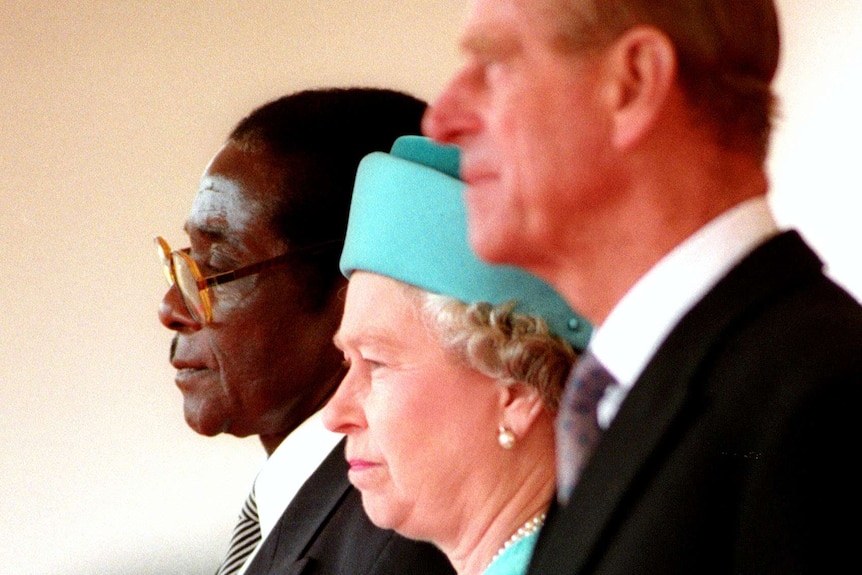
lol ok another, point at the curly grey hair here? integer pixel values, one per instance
(500, 343)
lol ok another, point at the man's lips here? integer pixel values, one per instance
(188, 375)
(474, 173)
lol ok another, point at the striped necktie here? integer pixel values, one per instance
(577, 425)
(245, 536)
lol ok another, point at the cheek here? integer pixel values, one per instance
(244, 351)
(407, 422)
(424, 435)
(396, 422)
(238, 299)
(521, 135)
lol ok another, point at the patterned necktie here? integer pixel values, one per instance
(245, 536)
(577, 424)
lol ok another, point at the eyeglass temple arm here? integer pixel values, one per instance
(230, 276)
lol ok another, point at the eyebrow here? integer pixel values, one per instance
(374, 336)
(488, 41)
(214, 232)
(213, 229)
(482, 45)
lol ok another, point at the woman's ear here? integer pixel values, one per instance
(521, 405)
(640, 70)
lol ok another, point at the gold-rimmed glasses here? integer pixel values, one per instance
(180, 269)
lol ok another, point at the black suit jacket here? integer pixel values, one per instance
(325, 531)
(735, 451)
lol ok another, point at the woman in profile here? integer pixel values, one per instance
(456, 368)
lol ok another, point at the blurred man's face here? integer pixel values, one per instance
(530, 117)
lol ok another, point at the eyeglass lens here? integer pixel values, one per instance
(188, 285)
(165, 257)
(177, 267)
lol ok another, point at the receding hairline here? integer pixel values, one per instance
(554, 17)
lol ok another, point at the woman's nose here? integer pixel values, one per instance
(343, 411)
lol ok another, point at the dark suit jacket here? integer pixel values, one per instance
(325, 531)
(735, 451)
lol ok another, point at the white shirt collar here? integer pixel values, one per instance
(292, 462)
(286, 470)
(641, 320)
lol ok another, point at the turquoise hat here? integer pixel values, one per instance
(408, 222)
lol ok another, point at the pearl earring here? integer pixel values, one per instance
(506, 438)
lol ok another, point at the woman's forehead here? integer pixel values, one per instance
(377, 308)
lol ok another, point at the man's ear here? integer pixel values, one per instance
(521, 405)
(640, 70)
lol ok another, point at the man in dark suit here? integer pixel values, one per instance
(617, 149)
(255, 302)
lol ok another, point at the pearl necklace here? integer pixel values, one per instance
(528, 528)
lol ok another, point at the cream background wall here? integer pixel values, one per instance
(109, 111)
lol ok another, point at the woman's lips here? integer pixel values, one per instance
(361, 465)
(364, 474)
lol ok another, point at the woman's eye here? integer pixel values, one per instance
(372, 363)
(362, 362)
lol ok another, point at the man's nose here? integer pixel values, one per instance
(452, 116)
(173, 312)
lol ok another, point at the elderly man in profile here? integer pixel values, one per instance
(616, 148)
(255, 302)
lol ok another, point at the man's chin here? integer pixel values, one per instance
(490, 232)
(490, 246)
(204, 426)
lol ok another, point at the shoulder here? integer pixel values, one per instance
(349, 543)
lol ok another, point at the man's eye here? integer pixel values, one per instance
(214, 268)
(203, 264)
(494, 71)
(217, 261)
(208, 271)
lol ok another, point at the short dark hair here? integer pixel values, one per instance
(315, 140)
(727, 52)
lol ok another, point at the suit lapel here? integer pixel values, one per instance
(658, 399)
(295, 568)
(315, 501)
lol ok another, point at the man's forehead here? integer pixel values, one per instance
(500, 26)
(209, 214)
(486, 26)
(221, 208)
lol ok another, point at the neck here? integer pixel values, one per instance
(484, 556)
(593, 272)
(510, 489)
(486, 534)
(529, 528)
(271, 441)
